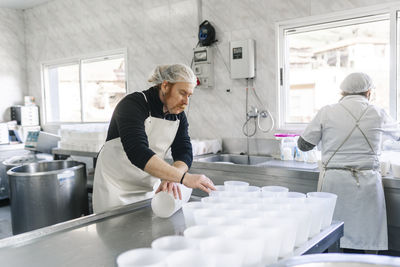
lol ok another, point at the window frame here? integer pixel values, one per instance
(342, 18)
(92, 57)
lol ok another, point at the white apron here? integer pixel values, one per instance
(361, 201)
(116, 180)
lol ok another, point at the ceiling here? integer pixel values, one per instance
(21, 4)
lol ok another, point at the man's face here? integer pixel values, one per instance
(177, 96)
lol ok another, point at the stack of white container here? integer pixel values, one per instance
(239, 225)
(83, 137)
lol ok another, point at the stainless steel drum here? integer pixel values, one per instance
(46, 193)
(340, 260)
(18, 161)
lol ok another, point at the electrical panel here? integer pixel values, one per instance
(242, 59)
(203, 66)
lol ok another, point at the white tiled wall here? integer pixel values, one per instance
(12, 61)
(165, 31)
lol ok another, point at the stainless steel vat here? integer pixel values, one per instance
(18, 161)
(46, 193)
(340, 260)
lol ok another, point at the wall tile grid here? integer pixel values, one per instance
(162, 31)
(12, 61)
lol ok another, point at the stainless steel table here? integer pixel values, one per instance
(97, 240)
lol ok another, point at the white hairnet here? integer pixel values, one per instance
(173, 73)
(357, 82)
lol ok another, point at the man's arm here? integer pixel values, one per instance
(303, 145)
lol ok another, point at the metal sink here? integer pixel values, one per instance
(235, 159)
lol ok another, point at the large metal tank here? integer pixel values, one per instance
(46, 193)
(14, 162)
(339, 260)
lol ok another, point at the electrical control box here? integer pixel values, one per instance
(242, 59)
(203, 66)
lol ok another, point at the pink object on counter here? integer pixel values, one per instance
(285, 135)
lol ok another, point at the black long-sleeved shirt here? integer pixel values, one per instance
(127, 122)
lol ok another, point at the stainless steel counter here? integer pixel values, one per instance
(300, 179)
(97, 240)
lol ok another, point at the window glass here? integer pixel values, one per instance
(103, 85)
(63, 94)
(86, 91)
(319, 59)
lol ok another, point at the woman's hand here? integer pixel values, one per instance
(199, 181)
(171, 188)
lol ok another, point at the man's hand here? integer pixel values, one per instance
(171, 188)
(199, 181)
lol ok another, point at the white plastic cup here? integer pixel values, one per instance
(214, 200)
(295, 197)
(142, 257)
(224, 252)
(277, 191)
(330, 202)
(251, 192)
(201, 216)
(200, 233)
(164, 204)
(189, 258)
(250, 241)
(217, 192)
(273, 236)
(173, 243)
(188, 211)
(289, 225)
(235, 185)
(316, 207)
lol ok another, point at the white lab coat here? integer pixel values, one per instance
(361, 201)
(117, 181)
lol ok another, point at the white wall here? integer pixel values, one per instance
(162, 31)
(12, 61)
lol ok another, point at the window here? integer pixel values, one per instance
(85, 89)
(316, 56)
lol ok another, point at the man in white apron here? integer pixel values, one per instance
(351, 136)
(143, 127)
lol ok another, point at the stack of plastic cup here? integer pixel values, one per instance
(223, 252)
(188, 211)
(277, 191)
(329, 201)
(200, 233)
(289, 225)
(189, 258)
(173, 243)
(317, 210)
(272, 233)
(248, 240)
(201, 217)
(235, 186)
